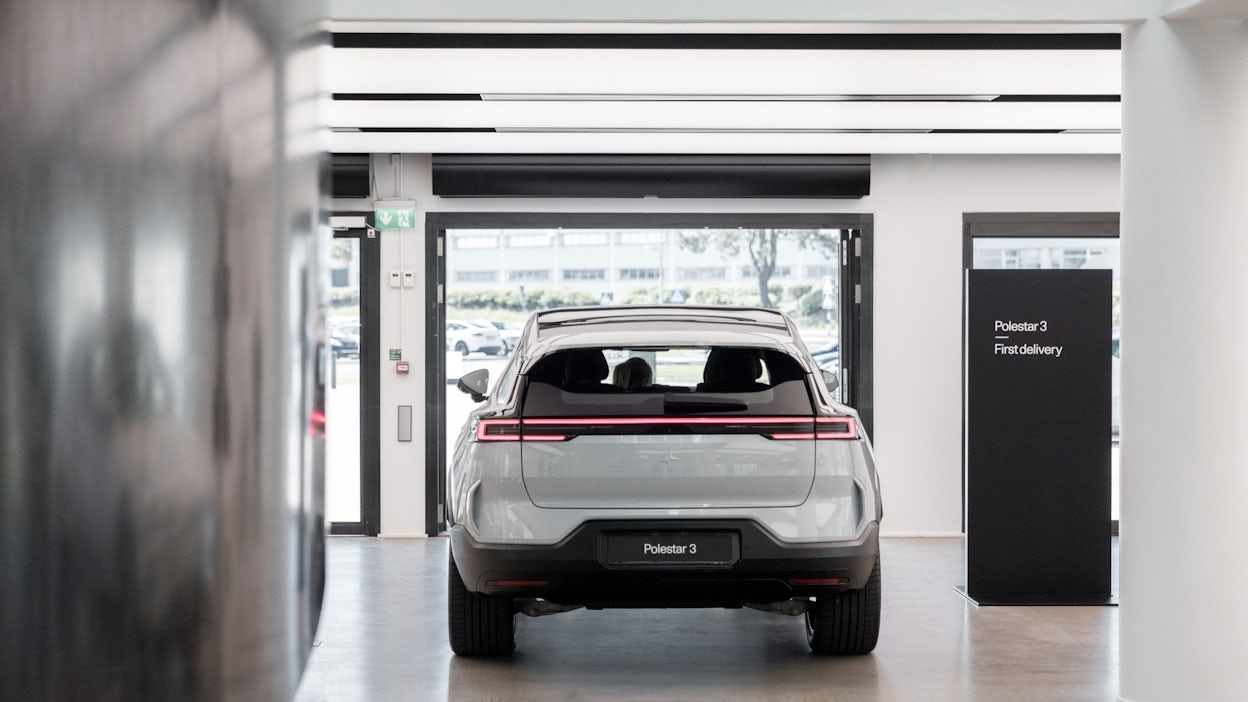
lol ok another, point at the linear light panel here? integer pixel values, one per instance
(762, 116)
(727, 143)
(722, 72)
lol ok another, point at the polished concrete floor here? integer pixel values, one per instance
(382, 637)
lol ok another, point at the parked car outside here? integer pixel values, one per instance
(344, 343)
(730, 478)
(509, 332)
(472, 337)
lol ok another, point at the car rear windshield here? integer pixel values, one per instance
(694, 380)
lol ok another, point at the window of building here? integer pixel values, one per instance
(706, 273)
(585, 274)
(520, 241)
(585, 239)
(476, 276)
(639, 274)
(532, 274)
(820, 271)
(476, 242)
(647, 236)
(748, 271)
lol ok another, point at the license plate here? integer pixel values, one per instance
(691, 548)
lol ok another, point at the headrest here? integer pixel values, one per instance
(584, 366)
(726, 365)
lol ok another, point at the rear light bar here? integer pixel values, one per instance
(565, 429)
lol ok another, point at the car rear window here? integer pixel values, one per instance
(694, 380)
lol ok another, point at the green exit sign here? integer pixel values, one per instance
(394, 218)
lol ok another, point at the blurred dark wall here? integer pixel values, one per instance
(161, 237)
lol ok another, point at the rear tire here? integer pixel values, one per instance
(847, 623)
(479, 625)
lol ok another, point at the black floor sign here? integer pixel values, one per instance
(1038, 436)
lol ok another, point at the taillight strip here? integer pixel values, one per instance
(798, 428)
(626, 421)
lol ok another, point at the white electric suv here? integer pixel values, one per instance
(662, 456)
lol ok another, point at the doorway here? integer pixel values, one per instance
(490, 272)
(352, 440)
(1053, 241)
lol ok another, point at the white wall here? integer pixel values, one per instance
(402, 327)
(917, 201)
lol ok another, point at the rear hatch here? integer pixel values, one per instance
(676, 442)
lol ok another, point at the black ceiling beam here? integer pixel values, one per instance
(646, 175)
(349, 175)
(882, 42)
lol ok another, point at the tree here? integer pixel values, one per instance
(761, 244)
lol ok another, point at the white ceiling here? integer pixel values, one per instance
(723, 100)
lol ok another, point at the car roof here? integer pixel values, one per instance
(658, 325)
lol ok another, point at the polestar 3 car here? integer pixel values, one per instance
(662, 456)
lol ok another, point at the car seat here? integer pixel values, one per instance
(732, 370)
(584, 370)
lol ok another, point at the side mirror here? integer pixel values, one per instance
(475, 383)
(831, 381)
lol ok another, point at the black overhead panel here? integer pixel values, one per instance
(641, 175)
(786, 42)
(349, 174)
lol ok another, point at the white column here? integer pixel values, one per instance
(1184, 557)
(402, 326)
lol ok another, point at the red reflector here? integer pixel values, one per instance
(819, 581)
(316, 423)
(836, 428)
(510, 430)
(498, 430)
(516, 583)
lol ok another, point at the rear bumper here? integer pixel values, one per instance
(575, 571)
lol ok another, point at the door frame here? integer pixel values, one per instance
(370, 386)
(860, 393)
(1021, 225)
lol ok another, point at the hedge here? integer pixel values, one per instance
(509, 299)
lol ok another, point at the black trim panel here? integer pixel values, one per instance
(575, 571)
(1057, 98)
(444, 97)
